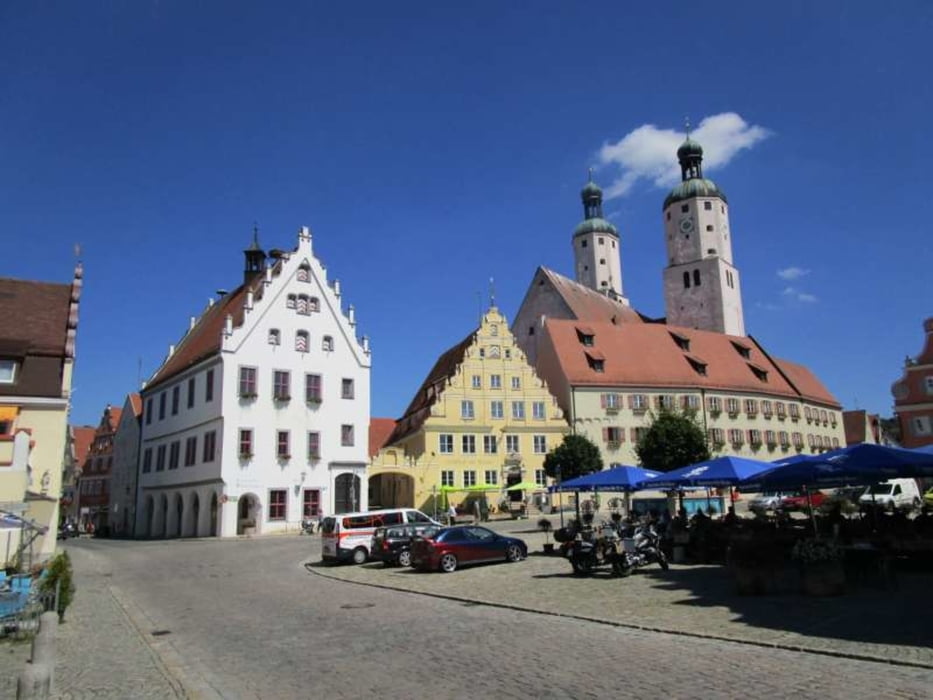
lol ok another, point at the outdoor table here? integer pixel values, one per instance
(864, 561)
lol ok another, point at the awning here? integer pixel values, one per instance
(8, 412)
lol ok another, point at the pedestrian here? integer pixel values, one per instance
(452, 514)
(477, 516)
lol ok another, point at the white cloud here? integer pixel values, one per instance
(649, 153)
(797, 295)
(792, 273)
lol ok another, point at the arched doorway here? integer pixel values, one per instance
(346, 493)
(148, 516)
(194, 517)
(389, 490)
(179, 514)
(248, 515)
(214, 514)
(164, 516)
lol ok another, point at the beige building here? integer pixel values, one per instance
(481, 422)
(37, 344)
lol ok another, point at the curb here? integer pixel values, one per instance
(634, 626)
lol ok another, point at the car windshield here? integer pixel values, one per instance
(881, 489)
(329, 525)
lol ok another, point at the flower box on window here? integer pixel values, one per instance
(314, 399)
(314, 456)
(283, 397)
(246, 455)
(248, 395)
(613, 444)
(284, 457)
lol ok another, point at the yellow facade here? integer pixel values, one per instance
(491, 422)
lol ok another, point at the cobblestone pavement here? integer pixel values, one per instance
(246, 619)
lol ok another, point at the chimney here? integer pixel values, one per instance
(351, 315)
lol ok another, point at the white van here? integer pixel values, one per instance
(348, 536)
(891, 494)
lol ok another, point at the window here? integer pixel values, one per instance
(707, 206)
(638, 403)
(754, 437)
(808, 414)
(921, 425)
(191, 451)
(327, 344)
(246, 443)
(664, 402)
(8, 371)
(696, 278)
(282, 450)
(277, 503)
(518, 410)
(686, 280)
(540, 477)
(511, 443)
(684, 208)
(610, 402)
(596, 364)
(311, 503)
(824, 416)
(490, 446)
(147, 460)
(148, 411)
(613, 435)
(303, 274)
(160, 458)
(539, 443)
(784, 438)
(732, 406)
(495, 409)
(162, 406)
(743, 350)
(447, 477)
(770, 438)
(191, 393)
(302, 307)
(751, 407)
(477, 381)
(717, 436)
(538, 410)
(346, 435)
(314, 445)
(281, 383)
(346, 389)
(313, 388)
(210, 443)
(275, 337)
(928, 384)
(469, 478)
(445, 443)
(209, 387)
(247, 382)
(314, 305)
(492, 477)
(835, 443)
(798, 440)
(690, 402)
(466, 410)
(516, 383)
(736, 437)
(766, 409)
(794, 411)
(291, 301)
(468, 444)
(638, 434)
(302, 341)
(495, 381)
(586, 337)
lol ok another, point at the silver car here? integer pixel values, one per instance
(769, 500)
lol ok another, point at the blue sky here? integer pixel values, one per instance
(432, 146)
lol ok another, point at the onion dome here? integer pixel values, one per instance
(693, 184)
(593, 222)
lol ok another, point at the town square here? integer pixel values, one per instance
(424, 351)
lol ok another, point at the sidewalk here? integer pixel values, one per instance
(100, 654)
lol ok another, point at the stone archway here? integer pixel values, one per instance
(194, 517)
(215, 514)
(164, 509)
(148, 516)
(346, 493)
(179, 514)
(249, 515)
(391, 490)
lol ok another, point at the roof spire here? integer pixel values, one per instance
(687, 126)
(492, 292)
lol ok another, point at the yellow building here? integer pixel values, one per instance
(481, 423)
(36, 362)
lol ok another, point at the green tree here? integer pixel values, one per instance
(574, 457)
(60, 578)
(673, 440)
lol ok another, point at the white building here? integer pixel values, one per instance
(121, 512)
(260, 414)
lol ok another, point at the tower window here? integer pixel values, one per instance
(696, 278)
(583, 243)
(708, 206)
(531, 330)
(602, 261)
(709, 227)
(601, 241)
(684, 208)
(686, 280)
(613, 244)
(668, 216)
(722, 208)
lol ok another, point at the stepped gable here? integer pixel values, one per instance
(379, 431)
(429, 391)
(659, 355)
(587, 304)
(35, 317)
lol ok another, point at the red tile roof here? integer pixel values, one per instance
(429, 391)
(646, 354)
(136, 403)
(587, 304)
(379, 431)
(115, 414)
(35, 316)
(855, 426)
(83, 437)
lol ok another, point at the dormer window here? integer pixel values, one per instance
(275, 336)
(586, 336)
(698, 365)
(8, 371)
(743, 350)
(304, 273)
(683, 342)
(760, 372)
(596, 360)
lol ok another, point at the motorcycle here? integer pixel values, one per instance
(307, 526)
(607, 546)
(642, 549)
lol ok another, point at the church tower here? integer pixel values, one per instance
(701, 285)
(596, 248)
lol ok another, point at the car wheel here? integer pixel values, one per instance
(448, 563)
(404, 558)
(513, 553)
(359, 556)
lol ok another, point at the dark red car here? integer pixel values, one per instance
(452, 547)
(798, 500)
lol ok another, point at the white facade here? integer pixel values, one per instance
(122, 510)
(260, 473)
(598, 262)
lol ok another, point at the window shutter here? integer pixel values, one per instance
(631, 401)
(602, 400)
(621, 432)
(605, 434)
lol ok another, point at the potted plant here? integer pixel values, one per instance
(545, 526)
(820, 564)
(59, 580)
